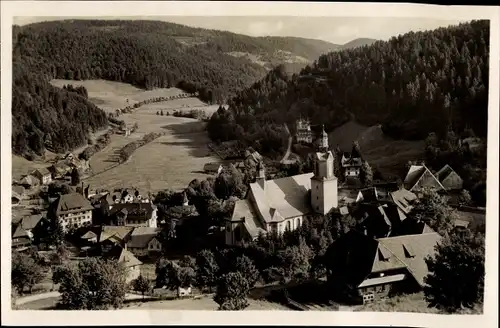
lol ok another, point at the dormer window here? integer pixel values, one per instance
(409, 253)
(383, 254)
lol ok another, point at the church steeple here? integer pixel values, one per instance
(261, 175)
(322, 140)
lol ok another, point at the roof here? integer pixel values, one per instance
(71, 203)
(141, 236)
(416, 173)
(20, 232)
(382, 280)
(446, 172)
(323, 156)
(282, 198)
(369, 194)
(89, 235)
(31, 221)
(344, 210)
(123, 256)
(43, 171)
(403, 199)
(18, 190)
(29, 180)
(137, 210)
(407, 251)
(121, 232)
(244, 209)
(212, 166)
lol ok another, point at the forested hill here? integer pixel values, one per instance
(413, 84)
(146, 54)
(152, 54)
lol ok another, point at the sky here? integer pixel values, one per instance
(337, 30)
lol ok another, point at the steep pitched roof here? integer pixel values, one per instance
(121, 255)
(18, 190)
(243, 209)
(20, 232)
(410, 251)
(31, 221)
(43, 171)
(120, 232)
(141, 236)
(72, 203)
(403, 199)
(286, 195)
(418, 172)
(444, 173)
(89, 235)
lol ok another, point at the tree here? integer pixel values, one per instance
(207, 269)
(157, 112)
(356, 150)
(75, 177)
(366, 174)
(246, 267)
(95, 284)
(142, 285)
(161, 112)
(464, 198)
(25, 271)
(295, 263)
(57, 234)
(433, 209)
(456, 272)
(232, 292)
(173, 276)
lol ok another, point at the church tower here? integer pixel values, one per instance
(261, 175)
(324, 187)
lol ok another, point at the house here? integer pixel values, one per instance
(379, 220)
(73, 211)
(404, 199)
(131, 264)
(449, 179)
(89, 237)
(24, 232)
(253, 156)
(303, 132)
(273, 206)
(373, 194)
(144, 240)
(60, 170)
(419, 177)
(17, 195)
(133, 214)
(371, 269)
(44, 175)
(213, 168)
(29, 181)
(110, 236)
(351, 165)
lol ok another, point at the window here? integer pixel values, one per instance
(289, 225)
(298, 223)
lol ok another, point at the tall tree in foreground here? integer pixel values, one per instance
(26, 272)
(456, 272)
(232, 292)
(94, 284)
(207, 269)
(246, 267)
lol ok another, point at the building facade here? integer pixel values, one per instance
(73, 211)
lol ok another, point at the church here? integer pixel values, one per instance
(280, 204)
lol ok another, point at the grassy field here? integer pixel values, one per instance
(171, 161)
(382, 152)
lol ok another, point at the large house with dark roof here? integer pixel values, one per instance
(144, 240)
(24, 230)
(131, 264)
(369, 268)
(449, 179)
(133, 214)
(73, 211)
(273, 206)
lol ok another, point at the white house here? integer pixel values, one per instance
(144, 240)
(73, 211)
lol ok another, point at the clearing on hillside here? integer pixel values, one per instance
(110, 95)
(388, 155)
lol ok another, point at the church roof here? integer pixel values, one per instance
(282, 198)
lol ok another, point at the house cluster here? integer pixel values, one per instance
(303, 134)
(385, 251)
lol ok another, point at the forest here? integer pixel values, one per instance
(147, 54)
(414, 84)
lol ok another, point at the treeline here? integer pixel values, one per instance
(128, 149)
(100, 144)
(413, 84)
(46, 117)
(129, 109)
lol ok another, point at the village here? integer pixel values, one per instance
(384, 250)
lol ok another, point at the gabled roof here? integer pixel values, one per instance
(20, 232)
(19, 190)
(446, 172)
(29, 180)
(289, 196)
(89, 235)
(403, 199)
(120, 232)
(244, 209)
(72, 203)
(323, 156)
(43, 171)
(31, 221)
(409, 250)
(141, 236)
(121, 255)
(417, 173)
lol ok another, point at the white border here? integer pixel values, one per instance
(9, 9)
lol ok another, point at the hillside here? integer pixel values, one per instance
(146, 54)
(360, 42)
(411, 85)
